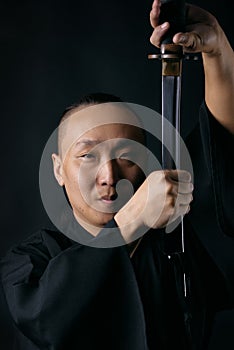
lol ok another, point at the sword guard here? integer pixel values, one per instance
(171, 56)
(187, 57)
(174, 12)
(169, 52)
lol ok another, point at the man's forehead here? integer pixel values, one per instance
(95, 117)
(100, 114)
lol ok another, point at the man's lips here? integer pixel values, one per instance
(109, 198)
(111, 202)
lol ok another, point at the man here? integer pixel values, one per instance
(67, 295)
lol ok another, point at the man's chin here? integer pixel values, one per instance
(95, 226)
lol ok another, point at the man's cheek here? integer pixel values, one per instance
(86, 185)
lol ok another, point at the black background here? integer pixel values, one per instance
(52, 52)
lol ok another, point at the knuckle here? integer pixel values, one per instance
(166, 175)
(185, 210)
(154, 175)
(157, 175)
(152, 39)
(171, 212)
(186, 176)
(169, 188)
(155, 37)
(213, 21)
(171, 202)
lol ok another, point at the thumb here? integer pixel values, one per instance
(190, 41)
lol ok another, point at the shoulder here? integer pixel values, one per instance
(49, 241)
(32, 255)
(41, 245)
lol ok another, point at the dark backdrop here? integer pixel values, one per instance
(53, 51)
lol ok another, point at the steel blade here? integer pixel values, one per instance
(171, 101)
(171, 95)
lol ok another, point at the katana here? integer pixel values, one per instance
(171, 55)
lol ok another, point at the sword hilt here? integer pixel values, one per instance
(172, 11)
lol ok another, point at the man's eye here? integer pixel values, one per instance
(87, 156)
(127, 157)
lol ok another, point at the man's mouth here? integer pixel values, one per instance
(109, 198)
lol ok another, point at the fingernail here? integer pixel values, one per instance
(183, 39)
(156, 3)
(164, 25)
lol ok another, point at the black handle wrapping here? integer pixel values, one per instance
(172, 11)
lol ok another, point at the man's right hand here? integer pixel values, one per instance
(164, 196)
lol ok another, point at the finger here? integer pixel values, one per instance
(184, 209)
(181, 210)
(184, 199)
(154, 13)
(192, 42)
(181, 187)
(178, 175)
(185, 188)
(158, 34)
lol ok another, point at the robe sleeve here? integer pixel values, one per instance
(211, 148)
(219, 152)
(53, 294)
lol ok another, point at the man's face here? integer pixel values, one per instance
(96, 163)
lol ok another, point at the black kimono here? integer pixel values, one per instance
(64, 295)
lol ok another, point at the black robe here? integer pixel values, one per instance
(65, 295)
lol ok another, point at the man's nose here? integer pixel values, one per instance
(108, 173)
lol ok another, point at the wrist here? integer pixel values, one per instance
(219, 44)
(129, 222)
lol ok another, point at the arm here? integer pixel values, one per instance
(56, 296)
(204, 34)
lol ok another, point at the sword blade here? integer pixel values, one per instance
(171, 96)
(171, 102)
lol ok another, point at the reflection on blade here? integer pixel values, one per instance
(171, 92)
(171, 95)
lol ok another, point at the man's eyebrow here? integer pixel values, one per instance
(121, 142)
(87, 142)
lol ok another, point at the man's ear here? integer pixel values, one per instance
(57, 165)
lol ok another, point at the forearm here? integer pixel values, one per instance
(69, 287)
(131, 229)
(219, 83)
